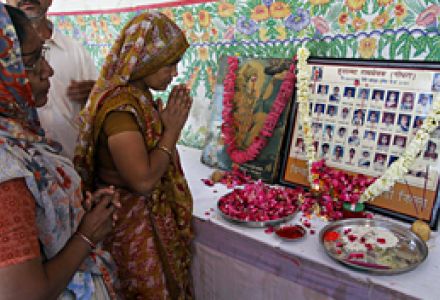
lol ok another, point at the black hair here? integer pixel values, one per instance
(19, 20)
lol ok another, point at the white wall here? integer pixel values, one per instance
(93, 5)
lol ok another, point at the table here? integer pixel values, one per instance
(233, 262)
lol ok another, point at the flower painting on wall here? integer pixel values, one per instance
(367, 29)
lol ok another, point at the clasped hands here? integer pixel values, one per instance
(100, 216)
(176, 112)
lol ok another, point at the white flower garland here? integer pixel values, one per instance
(305, 118)
(398, 169)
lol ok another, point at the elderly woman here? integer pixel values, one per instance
(48, 241)
(129, 140)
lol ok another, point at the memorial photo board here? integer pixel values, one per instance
(364, 114)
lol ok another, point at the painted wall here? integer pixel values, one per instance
(368, 29)
(87, 6)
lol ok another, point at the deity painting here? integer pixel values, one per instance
(257, 86)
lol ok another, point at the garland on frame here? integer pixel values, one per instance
(228, 127)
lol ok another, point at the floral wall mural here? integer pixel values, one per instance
(365, 29)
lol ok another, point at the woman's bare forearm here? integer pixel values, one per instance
(33, 279)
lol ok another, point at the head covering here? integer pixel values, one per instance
(17, 106)
(25, 153)
(147, 42)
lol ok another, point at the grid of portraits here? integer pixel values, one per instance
(365, 129)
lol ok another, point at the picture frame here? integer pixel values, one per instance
(258, 83)
(364, 114)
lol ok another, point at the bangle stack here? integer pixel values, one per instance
(86, 239)
(166, 150)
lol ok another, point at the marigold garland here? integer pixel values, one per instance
(228, 128)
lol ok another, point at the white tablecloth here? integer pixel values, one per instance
(234, 262)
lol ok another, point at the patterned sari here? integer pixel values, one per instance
(50, 178)
(151, 239)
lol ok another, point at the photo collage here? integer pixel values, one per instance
(366, 128)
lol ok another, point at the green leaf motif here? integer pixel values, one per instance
(414, 5)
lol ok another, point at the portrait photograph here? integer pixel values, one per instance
(383, 141)
(377, 95)
(338, 153)
(325, 150)
(322, 89)
(316, 73)
(358, 117)
(407, 102)
(388, 119)
(363, 94)
(319, 109)
(346, 114)
(404, 122)
(332, 110)
(380, 160)
(431, 151)
(436, 83)
(349, 92)
(424, 103)
(365, 159)
(327, 133)
(373, 117)
(399, 142)
(392, 99)
(335, 96)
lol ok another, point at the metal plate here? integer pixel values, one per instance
(255, 224)
(409, 252)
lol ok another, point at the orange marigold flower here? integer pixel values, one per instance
(400, 10)
(214, 32)
(318, 2)
(204, 18)
(169, 13)
(279, 10)
(367, 47)
(206, 36)
(384, 2)
(188, 19)
(260, 13)
(203, 53)
(355, 4)
(380, 20)
(116, 19)
(281, 32)
(359, 24)
(225, 9)
(80, 20)
(343, 18)
(263, 34)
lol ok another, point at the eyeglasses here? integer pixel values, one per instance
(40, 55)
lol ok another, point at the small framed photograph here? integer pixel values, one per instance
(407, 102)
(349, 92)
(323, 90)
(363, 94)
(335, 96)
(392, 99)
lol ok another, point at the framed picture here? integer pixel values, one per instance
(364, 114)
(256, 89)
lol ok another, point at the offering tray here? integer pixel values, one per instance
(255, 224)
(258, 205)
(374, 246)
